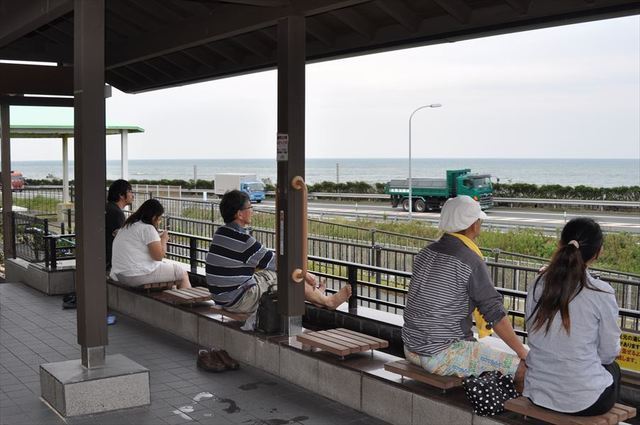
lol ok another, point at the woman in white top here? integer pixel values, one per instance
(138, 250)
(574, 336)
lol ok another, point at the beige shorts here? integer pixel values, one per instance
(249, 301)
(166, 272)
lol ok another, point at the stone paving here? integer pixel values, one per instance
(34, 329)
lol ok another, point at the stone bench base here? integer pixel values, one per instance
(359, 381)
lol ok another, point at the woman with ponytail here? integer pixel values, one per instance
(574, 337)
(138, 250)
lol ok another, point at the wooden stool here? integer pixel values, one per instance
(342, 342)
(522, 405)
(406, 369)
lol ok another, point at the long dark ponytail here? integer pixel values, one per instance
(148, 211)
(566, 276)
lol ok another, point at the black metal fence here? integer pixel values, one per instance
(386, 289)
(34, 241)
(29, 233)
(373, 285)
(367, 247)
(397, 250)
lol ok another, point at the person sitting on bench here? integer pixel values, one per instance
(239, 269)
(138, 250)
(450, 280)
(573, 330)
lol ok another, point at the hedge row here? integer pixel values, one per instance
(515, 190)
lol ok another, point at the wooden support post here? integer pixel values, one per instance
(7, 200)
(291, 156)
(90, 171)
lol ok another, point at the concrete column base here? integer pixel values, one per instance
(74, 390)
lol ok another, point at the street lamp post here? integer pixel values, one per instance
(432, 105)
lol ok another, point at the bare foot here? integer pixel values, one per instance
(518, 379)
(339, 297)
(322, 285)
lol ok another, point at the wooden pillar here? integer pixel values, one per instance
(90, 171)
(7, 200)
(291, 157)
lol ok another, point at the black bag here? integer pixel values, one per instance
(488, 392)
(267, 316)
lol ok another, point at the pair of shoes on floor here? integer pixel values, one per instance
(69, 301)
(216, 361)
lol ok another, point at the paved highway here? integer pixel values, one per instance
(498, 217)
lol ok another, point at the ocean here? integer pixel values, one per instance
(568, 172)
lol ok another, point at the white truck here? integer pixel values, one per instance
(247, 183)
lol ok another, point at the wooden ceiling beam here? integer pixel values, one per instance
(399, 11)
(356, 22)
(456, 8)
(36, 79)
(227, 21)
(520, 6)
(320, 31)
(119, 73)
(36, 101)
(261, 3)
(197, 55)
(253, 44)
(19, 18)
(225, 52)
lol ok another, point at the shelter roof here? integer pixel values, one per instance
(153, 44)
(58, 131)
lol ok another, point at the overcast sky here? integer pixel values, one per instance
(565, 92)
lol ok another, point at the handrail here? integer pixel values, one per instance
(297, 183)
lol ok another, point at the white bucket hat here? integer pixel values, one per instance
(459, 213)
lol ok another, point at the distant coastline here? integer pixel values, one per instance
(567, 172)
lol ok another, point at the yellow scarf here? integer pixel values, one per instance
(481, 324)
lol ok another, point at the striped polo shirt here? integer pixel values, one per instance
(449, 281)
(233, 258)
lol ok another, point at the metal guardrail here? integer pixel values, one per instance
(569, 202)
(532, 201)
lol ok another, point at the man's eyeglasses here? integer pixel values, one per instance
(250, 207)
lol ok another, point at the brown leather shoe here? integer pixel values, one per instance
(226, 359)
(210, 363)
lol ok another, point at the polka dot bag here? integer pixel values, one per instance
(488, 392)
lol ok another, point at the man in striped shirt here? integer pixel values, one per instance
(239, 269)
(450, 280)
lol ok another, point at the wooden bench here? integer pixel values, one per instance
(186, 296)
(406, 369)
(342, 342)
(522, 405)
(148, 287)
(239, 317)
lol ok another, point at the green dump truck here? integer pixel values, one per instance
(431, 193)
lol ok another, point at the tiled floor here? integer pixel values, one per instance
(34, 329)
